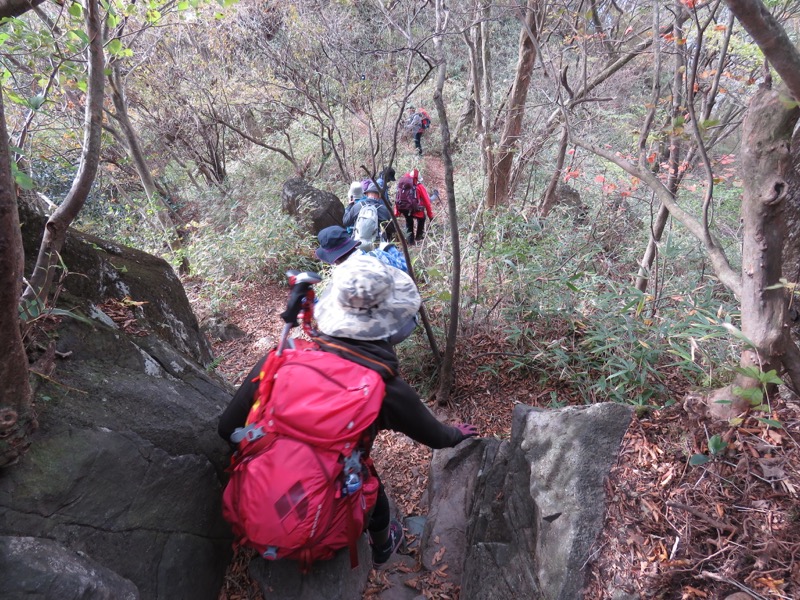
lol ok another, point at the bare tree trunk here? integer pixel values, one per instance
(446, 369)
(549, 198)
(673, 160)
(17, 420)
(468, 112)
(171, 234)
(473, 105)
(500, 175)
(766, 161)
(485, 106)
(56, 227)
(784, 56)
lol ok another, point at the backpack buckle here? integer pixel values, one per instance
(271, 553)
(249, 433)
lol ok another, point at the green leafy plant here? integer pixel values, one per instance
(716, 446)
(756, 395)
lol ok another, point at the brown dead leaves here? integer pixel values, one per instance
(123, 313)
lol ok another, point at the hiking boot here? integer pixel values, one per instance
(420, 237)
(381, 554)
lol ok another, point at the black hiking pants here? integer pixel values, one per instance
(418, 142)
(381, 514)
(410, 219)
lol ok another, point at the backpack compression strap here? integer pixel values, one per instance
(249, 433)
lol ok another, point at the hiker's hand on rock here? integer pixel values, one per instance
(467, 430)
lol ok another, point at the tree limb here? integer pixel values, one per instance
(771, 38)
(15, 8)
(719, 260)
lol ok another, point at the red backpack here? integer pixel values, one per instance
(302, 484)
(406, 196)
(425, 118)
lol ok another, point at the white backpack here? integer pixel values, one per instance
(367, 228)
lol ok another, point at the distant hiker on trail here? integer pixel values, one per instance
(366, 304)
(336, 246)
(412, 201)
(368, 219)
(355, 193)
(415, 127)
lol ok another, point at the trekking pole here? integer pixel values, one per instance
(301, 298)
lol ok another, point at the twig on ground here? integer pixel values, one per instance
(701, 515)
(741, 586)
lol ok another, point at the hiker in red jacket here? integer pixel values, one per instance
(417, 212)
(359, 317)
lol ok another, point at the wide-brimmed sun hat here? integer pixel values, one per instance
(334, 243)
(366, 300)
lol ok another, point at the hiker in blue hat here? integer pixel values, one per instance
(336, 246)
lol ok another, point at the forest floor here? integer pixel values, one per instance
(672, 530)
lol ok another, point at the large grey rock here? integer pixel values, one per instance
(313, 208)
(541, 502)
(451, 492)
(101, 270)
(328, 580)
(126, 466)
(570, 453)
(40, 569)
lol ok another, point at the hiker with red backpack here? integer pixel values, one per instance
(417, 123)
(412, 201)
(305, 418)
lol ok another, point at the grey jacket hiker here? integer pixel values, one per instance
(414, 124)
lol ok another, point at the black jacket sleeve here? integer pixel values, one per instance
(404, 411)
(351, 214)
(235, 415)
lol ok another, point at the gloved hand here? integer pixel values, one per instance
(295, 303)
(467, 430)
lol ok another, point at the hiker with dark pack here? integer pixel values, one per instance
(378, 227)
(336, 246)
(412, 201)
(385, 180)
(366, 304)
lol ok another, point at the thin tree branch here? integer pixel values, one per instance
(719, 260)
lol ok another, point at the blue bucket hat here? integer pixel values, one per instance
(334, 242)
(372, 189)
